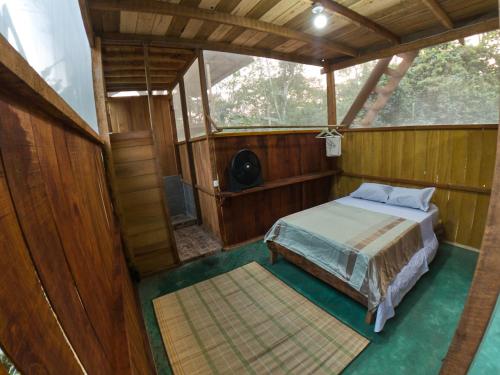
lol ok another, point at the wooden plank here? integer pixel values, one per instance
(19, 79)
(417, 42)
(439, 13)
(456, 161)
(87, 21)
(151, 6)
(360, 20)
(45, 246)
(24, 310)
(189, 149)
(154, 123)
(279, 183)
(483, 294)
(331, 98)
(133, 39)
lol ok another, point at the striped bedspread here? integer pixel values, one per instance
(365, 249)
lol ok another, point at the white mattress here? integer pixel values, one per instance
(418, 264)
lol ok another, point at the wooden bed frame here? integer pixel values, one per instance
(327, 277)
(321, 274)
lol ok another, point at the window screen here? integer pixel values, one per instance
(194, 105)
(450, 83)
(248, 91)
(179, 120)
(50, 35)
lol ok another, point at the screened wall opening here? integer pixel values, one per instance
(451, 83)
(245, 92)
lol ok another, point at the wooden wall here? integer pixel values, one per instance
(129, 114)
(204, 186)
(457, 159)
(294, 165)
(64, 286)
(145, 219)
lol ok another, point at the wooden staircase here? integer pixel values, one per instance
(383, 93)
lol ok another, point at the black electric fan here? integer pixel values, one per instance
(244, 171)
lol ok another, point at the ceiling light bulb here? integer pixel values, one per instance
(320, 21)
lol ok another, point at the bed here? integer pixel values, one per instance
(371, 251)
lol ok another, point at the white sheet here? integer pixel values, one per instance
(418, 264)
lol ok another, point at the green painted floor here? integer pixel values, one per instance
(414, 342)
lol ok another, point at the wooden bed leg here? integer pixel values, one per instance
(369, 317)
(274, 256)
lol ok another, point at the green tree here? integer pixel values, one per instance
(449, 83)
(270, 92)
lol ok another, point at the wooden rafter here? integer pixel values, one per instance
(158, 7)
(412, 43)
(87, 21)
(439, 13)
(160, 41)
(360, 20)
(365, 91)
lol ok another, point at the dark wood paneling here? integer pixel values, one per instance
(281, 155)
(130, 114)
(284, 157)
(202, 164)
(28, 327)
(145, 220)
(68, 259)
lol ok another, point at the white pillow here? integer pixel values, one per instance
(372, 192)
(413, 198)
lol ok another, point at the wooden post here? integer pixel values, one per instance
(484, 292)
(173, 128)
(189, 147)
(120, 350)
(104, 130)
(331, 98)
(157, 153)
(210, 140)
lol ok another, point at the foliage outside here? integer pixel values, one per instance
(449, 83)
(270, 92)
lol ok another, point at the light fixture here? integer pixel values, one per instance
(320, 20)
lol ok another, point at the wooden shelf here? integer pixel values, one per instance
(279, 183)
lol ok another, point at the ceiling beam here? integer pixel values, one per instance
(439, 13)
(87, 21)
(160, 7)
(161, 41)
(410, 43)
(360, 20)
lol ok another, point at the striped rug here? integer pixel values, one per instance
(248, 322)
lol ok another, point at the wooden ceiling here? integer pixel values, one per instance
(357, 31)
(124, 68)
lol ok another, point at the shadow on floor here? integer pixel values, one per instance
(414, 342)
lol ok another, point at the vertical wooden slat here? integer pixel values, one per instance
(157, 153)
(28, 326)
(331, 98)
(210, 140)
(484, 291)
(189, 148)
(454, 156)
